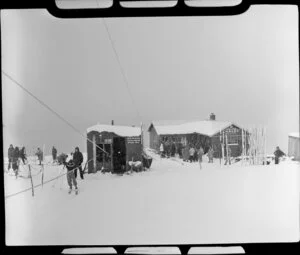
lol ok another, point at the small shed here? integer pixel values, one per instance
(294, 146)
(111, 147)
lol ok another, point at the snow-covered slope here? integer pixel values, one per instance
(170, 203)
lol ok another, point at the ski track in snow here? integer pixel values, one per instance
(170, 203)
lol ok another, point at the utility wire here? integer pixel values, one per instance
(51, 110)
(121, 69)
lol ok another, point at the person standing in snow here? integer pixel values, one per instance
(71, 168)
(54, 154)
(15, 161)
(278, 154)
(23, 155)
(10, 155)
(200, 155)
(210, 155)
(228, 157)
(191, 152)
(39, 154)
(78, 159)
(161, 150)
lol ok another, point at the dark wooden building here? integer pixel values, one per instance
(111, 147)
(206, 133)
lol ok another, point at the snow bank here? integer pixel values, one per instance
(172, 203)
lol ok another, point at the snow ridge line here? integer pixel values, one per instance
(36, 186)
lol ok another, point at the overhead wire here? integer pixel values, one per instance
(51, 110)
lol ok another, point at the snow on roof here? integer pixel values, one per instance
(118, 130)
(204, 127)
(295, 134)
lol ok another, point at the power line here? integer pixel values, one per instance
(121, 69)
(51, 110)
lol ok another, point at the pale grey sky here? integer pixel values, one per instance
(243, 68)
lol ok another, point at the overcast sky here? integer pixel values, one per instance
(243, 68)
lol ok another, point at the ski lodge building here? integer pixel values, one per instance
(205, 133)
(294, 146)
(120, 143)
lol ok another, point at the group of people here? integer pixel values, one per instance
(14, 156)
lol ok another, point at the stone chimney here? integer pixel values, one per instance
(112, 122)
(212, 116)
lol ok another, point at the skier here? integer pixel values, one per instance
(200, 154)
(228, 157)
(195, 158)
(39, 154)
(10, 156)
(210, 155)
(173, 149)
(15, 161)
(161, 149)
(54, 154)
(191, 152)
(278, 154)
(23, 155)
(78, 159)
(71, 168)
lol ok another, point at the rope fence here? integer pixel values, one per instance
(42, 182)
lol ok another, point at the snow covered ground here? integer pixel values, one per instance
(173, 202)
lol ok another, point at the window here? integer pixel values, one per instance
(233, 139)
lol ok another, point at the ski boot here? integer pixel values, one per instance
(76, 191)
(70, 190)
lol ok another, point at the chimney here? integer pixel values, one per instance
(212, 116)
(112, 122)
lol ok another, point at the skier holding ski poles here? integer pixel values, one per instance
(71, 167)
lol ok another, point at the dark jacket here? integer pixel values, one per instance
(278, 153)
(11, 152)
(70, 165)
(22, 153)
(16, 152)
(54, 151)
(78, 158)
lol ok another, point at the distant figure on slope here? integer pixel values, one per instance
(10, 155)
(191, 152)
(161, 150)
(54, 154)
(228, 157)
(39, 154)
(23, 155)
(210, 155)
(71, 168)
(200, 155)
(173, 149)
(185, 153)
(278, 154)
(15, 161)
(78, 159)
(195, 158)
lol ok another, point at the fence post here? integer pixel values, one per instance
(31, 180)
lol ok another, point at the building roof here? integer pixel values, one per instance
(204, 127)
(124, 131)
(295, 134)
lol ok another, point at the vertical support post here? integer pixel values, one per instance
(227, 148)
(111, 157)
(243, 149)
(103, 155)
(94, 153)
(220, 149)
(31, 180)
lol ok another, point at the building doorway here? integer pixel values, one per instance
(119, 154)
